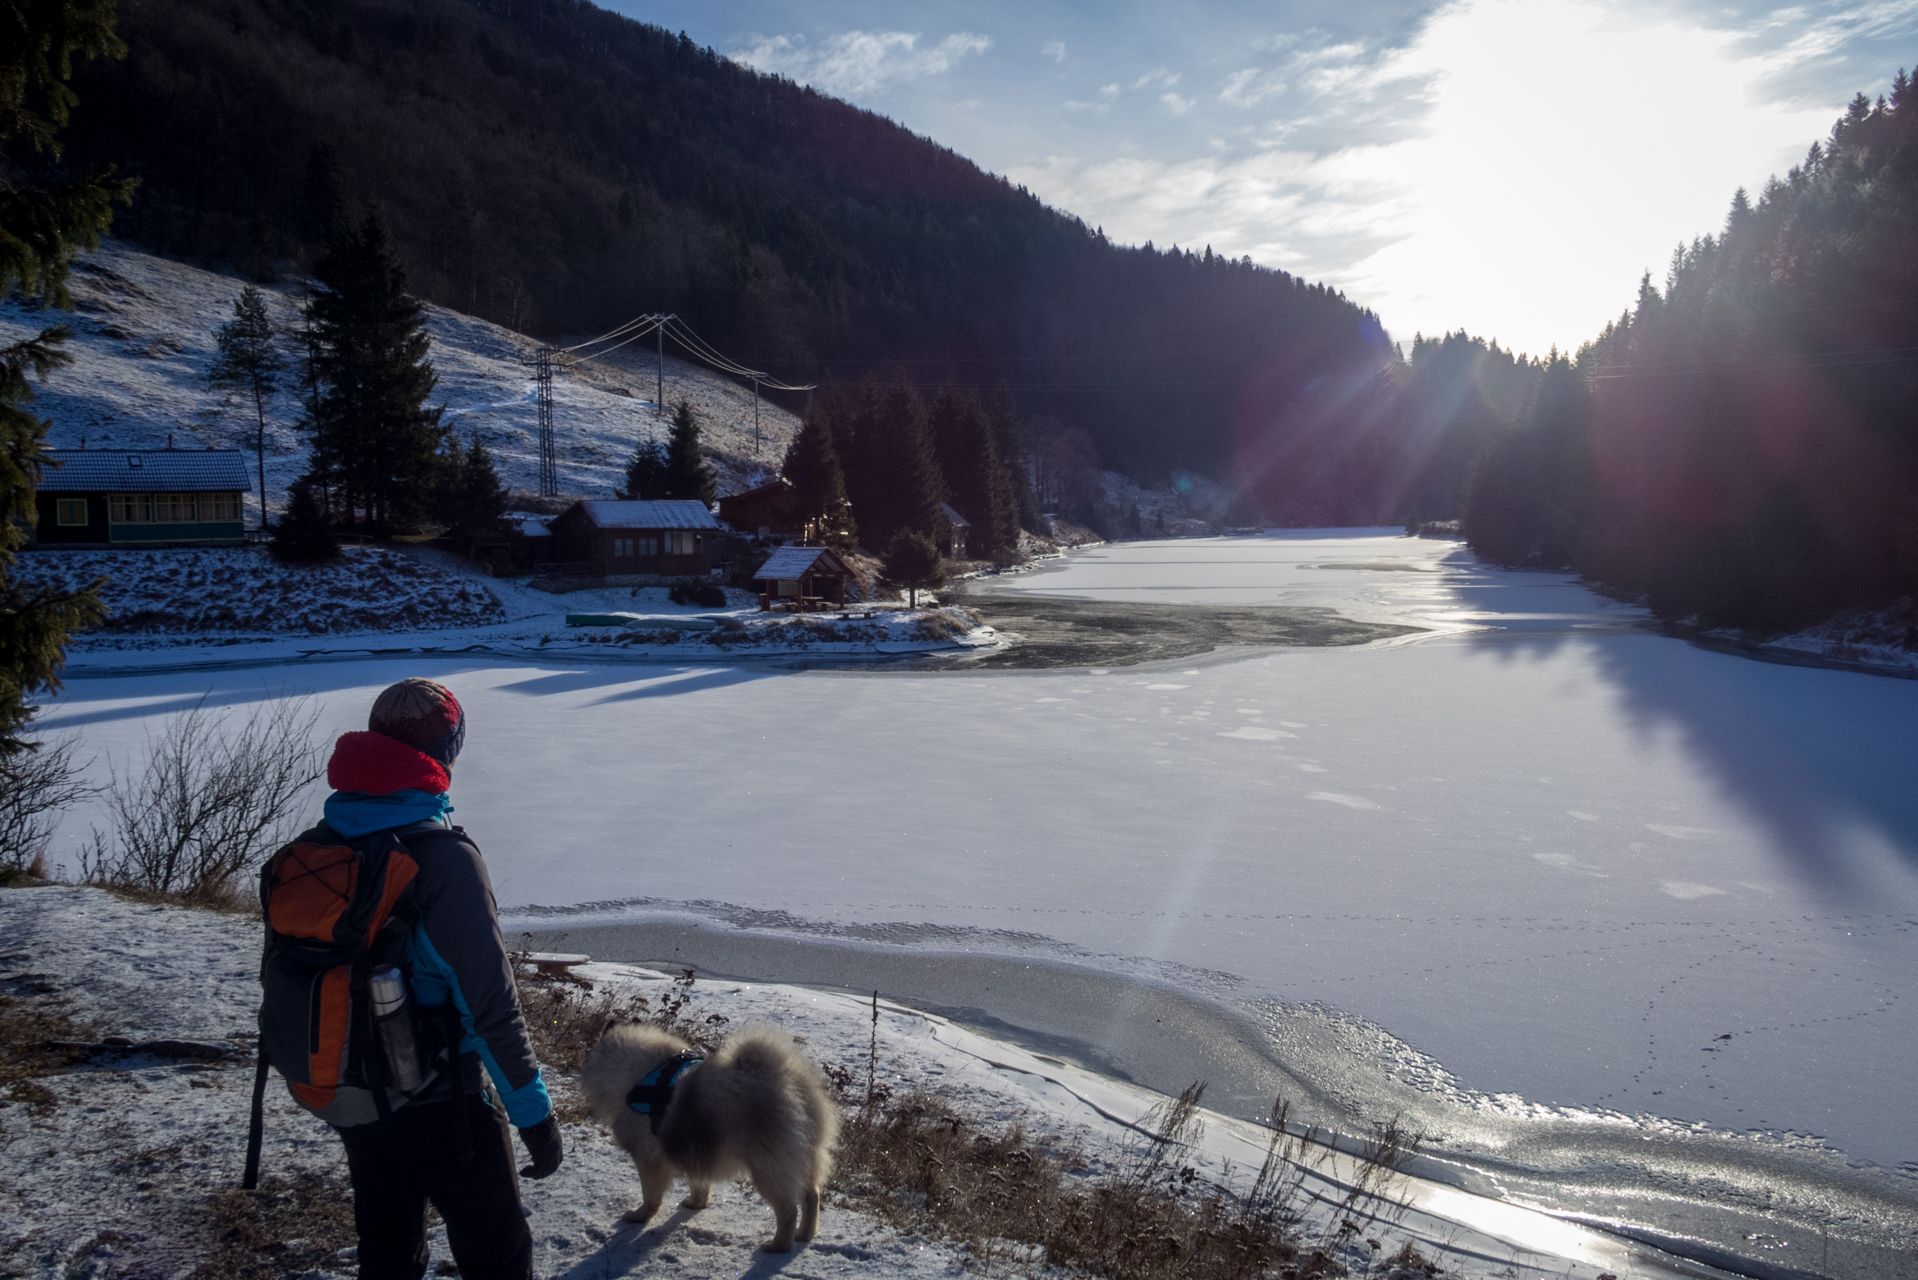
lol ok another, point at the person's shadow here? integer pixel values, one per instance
(634, 1245)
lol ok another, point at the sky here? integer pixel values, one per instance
(1507, 167)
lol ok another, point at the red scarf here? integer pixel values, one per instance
(378, 765)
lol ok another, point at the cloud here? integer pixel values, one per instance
(1160, 78)
(1495, 171)
(853, 63)
(1056, 50)
(1178, 105)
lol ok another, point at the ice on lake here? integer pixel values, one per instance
(1560, 855)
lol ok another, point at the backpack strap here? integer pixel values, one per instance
(256, 1126)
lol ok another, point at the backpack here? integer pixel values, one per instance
(335, 909)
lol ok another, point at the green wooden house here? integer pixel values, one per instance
(98, 498)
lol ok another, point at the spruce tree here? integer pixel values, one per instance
(892, 473)
(969, 459)
(247, 357)
(478, 497)
(373, 436)
(646, 472)
(41, 226)
(687, 475)
(912, 562)
(304, 535)
(818, 484)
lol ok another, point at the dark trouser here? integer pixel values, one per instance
(417, 1156)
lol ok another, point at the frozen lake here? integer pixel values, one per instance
(1540, 867)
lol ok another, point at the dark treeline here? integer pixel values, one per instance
(558, 168)
(1742, 446)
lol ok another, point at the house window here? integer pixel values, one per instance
(130, 508)
(175, 508)
(684, 542)
(622, 548)
(649, 547)
(71, 511)
(219, 506)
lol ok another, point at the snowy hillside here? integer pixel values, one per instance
(143, 337)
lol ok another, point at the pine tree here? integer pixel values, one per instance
(912, 562)
(247, 357)
(373, 436)
(646, 472)
(40, 229)
(818, 484)
(304, 535)
(479, 499)
(687, 475)
(892, 472)
(969, 459)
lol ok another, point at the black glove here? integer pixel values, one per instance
(542, 1144)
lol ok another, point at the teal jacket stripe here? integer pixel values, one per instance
(434, 982)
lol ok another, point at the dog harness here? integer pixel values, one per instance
(654, 1092)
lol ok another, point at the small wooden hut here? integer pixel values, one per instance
(806, 577)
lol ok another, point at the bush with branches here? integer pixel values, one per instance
(214, 799)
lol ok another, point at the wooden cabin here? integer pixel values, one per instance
(803, 576)
(950, 531)
(764, 512)
(672, 538)
(98, 498)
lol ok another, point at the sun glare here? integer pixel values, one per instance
(1566, 152)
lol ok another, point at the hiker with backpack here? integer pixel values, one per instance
(390, 1006)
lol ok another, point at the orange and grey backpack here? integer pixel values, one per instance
(335, 909)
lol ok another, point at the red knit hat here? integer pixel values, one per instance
(422, 714)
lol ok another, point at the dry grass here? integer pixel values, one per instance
(1021, 1204)
(32, 1017)
(283, 1229)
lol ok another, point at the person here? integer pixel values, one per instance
(450, 1145)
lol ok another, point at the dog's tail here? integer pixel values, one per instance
(771, 1054)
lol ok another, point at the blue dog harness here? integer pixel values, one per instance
(654, 1092)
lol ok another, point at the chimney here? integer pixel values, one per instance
(169, 439)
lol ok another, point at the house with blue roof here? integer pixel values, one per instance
(94, 499)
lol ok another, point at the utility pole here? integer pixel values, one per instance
(755, 423)
(548, 450)
(659, 371)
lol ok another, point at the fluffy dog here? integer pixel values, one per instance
(754, 1106)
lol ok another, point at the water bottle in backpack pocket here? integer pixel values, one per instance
(396, 1020)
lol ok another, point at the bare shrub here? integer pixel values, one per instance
(35, 785)
(214, 800)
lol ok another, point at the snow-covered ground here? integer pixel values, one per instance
(1600, 909)
(185, 608)
(144, 335)
(123, 1195)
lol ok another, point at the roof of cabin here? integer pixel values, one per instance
(680, 514)
(958, 521)
(777, 483)
(145, 471)
(792, 563)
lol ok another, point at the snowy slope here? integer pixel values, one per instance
(148, 972)
(144, 333)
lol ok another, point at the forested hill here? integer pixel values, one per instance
(1742, 445)
(557, 168)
